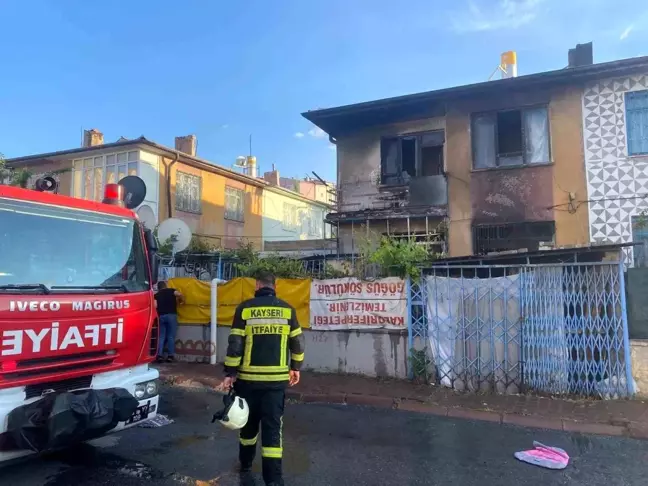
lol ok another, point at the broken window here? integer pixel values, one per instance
(511, 138)
(417, 155)
(529, 236)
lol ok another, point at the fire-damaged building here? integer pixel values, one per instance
(488, 167)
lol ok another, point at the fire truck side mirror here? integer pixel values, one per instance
(152, 250)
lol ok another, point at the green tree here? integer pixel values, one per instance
(13, 177)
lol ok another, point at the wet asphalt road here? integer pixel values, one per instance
(329, 445)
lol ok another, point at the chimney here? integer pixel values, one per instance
(92, 138)
(272, 177)
(581, 55)
(186, 145)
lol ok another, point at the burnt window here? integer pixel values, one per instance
(416, 155)
(529, 235)
(511, 138)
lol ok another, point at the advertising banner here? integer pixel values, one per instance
(350, 303)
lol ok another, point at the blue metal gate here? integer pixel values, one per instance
(559, 329)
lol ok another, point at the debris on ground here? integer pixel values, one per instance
(544, 456)
(158, 421)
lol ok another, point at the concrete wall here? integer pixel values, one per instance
(639, 351)
(64, 178)
(490, 195)
(370, 353)
(359, 162)
(565, 172)
(615, 179)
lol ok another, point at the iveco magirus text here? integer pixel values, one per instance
(78, 327)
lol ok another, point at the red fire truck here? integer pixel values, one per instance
(78, 326)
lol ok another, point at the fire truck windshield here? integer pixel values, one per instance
(46, 248)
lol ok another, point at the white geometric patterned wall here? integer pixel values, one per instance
(617, 185)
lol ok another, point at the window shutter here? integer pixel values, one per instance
(637, 122)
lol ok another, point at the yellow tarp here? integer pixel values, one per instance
(296, 293)
(196, 309)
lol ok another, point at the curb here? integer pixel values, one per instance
(635, 430)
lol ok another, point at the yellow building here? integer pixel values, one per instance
(219, 205)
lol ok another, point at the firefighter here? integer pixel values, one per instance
(264, 354)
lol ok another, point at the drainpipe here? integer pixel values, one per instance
(168, 183)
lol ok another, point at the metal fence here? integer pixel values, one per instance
(207, 267)
(559, 329)
(213, 265)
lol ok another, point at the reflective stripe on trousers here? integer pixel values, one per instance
(266, 411)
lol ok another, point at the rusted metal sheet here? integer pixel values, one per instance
(512, 195)
(384, 214)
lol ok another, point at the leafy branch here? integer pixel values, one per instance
(13, 177)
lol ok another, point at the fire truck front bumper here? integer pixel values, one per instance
(115, 401)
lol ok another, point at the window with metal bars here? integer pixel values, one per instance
(188, 192)
(529, 235)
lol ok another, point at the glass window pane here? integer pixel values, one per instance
(87, 163)
(132, 168)
(98, 184)
(111, 175)
(132, 156)
(510, 160)
(77, 164)
(121, 158)
(536, 135)
(389, 164)
(87, 184)
(77, 185)
(110, 159)
(483, 137)
(121, 173)
(98, 161)
(433, 139)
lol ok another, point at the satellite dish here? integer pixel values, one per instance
(134, 191)
(178, 228)
(147, 217)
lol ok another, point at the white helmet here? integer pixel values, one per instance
(235, 414)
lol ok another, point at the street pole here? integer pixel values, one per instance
(213, 342)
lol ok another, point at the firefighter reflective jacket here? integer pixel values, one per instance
(265, 342)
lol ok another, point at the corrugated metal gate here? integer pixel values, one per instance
(558, 329)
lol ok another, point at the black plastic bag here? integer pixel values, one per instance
(62, 419)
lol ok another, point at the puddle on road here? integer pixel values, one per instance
(85, 463)
(581, 442)
(181, 442)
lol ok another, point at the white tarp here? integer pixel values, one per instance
(475, 332)
(350, 303)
